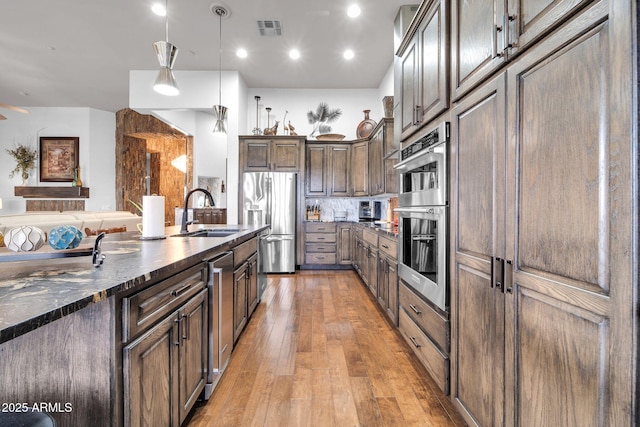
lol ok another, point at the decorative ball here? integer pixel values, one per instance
(25, 239)
(65, 237)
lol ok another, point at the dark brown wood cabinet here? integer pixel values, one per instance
(240, 310)
(174, 345)
(245, 284)
(276, 154)
(486, 35)
(316, 170)
(542, 217)
(360, 169)
(424, 68)
(344, 244)
(382, 157)
(327, 170)
(388, 277)
(252, 284)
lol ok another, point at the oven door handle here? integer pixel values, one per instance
(424, 238)
(422, 212)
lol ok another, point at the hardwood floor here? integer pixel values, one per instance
(319, 352)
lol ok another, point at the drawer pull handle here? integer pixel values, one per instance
(385, 246)
(320, 238)
(413, 340)
(415, 309)
(177, 292)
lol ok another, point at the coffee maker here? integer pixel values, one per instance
(369, 211)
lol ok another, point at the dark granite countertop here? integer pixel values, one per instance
(34, 293)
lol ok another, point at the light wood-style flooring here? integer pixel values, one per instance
(319, 352)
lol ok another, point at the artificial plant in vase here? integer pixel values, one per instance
(321, 117)
(25, 158)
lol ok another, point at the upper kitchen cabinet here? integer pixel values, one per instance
(485, 35)
(382, 157)
(360, 169)
(271, 154)
(327, 170)
(423, 86)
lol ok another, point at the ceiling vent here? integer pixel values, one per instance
(269, 27)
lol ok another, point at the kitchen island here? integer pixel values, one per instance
(62, 332)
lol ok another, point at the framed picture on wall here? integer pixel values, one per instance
(58, 158)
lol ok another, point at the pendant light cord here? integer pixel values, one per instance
(220, 12)
(166, 20)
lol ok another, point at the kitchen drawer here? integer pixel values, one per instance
(436, 362)
(244, 251)
(370, 236)
(320, 238)
(388, 246)
(320, 258)
(320, 227)
(143, 309)
(431, 322)
(321, 248)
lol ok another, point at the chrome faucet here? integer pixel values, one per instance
(185, 212)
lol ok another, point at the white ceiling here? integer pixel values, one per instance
(78, 53)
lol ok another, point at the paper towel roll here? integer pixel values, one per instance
(152, 216)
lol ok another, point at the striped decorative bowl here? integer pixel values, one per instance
(24, 239)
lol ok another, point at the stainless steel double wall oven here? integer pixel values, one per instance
(423, 215)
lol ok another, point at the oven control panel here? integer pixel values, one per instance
(436, 136)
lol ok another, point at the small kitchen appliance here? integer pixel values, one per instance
(370, 211)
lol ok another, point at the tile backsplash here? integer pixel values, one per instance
(330, 205)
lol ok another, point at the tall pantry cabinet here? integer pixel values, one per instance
(543, 249)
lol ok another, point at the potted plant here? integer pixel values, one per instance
(25, 158)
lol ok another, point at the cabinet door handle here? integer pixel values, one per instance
(496, 30)
(497, 271)
(508, 44)
(185, 326)
(413, 340)
(178, 325)
(508, 281)
(415, 309)
(177, 292)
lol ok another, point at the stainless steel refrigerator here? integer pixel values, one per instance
(270, 198)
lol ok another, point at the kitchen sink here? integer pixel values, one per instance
(209, 232)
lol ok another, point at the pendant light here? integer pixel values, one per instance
(165, 82)
(220, 111)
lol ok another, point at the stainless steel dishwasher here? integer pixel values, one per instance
(220, 343)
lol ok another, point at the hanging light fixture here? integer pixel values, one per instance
(165, 82)
(220, 111)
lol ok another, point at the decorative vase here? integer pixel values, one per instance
(77, 182)
(25, 239)
(387, 104)
(25, 177)
(366, 126)
(65, 237)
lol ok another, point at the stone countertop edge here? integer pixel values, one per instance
(17, 316)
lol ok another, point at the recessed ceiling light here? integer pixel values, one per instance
(242, 53)
(348, 54)
(353, 11)
(294, 54)
(159, 9)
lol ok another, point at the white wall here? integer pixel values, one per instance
(96, 130)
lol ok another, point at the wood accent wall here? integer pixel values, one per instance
(55, 205)
(137, 135)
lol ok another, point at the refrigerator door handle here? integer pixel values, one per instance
(274, 238)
